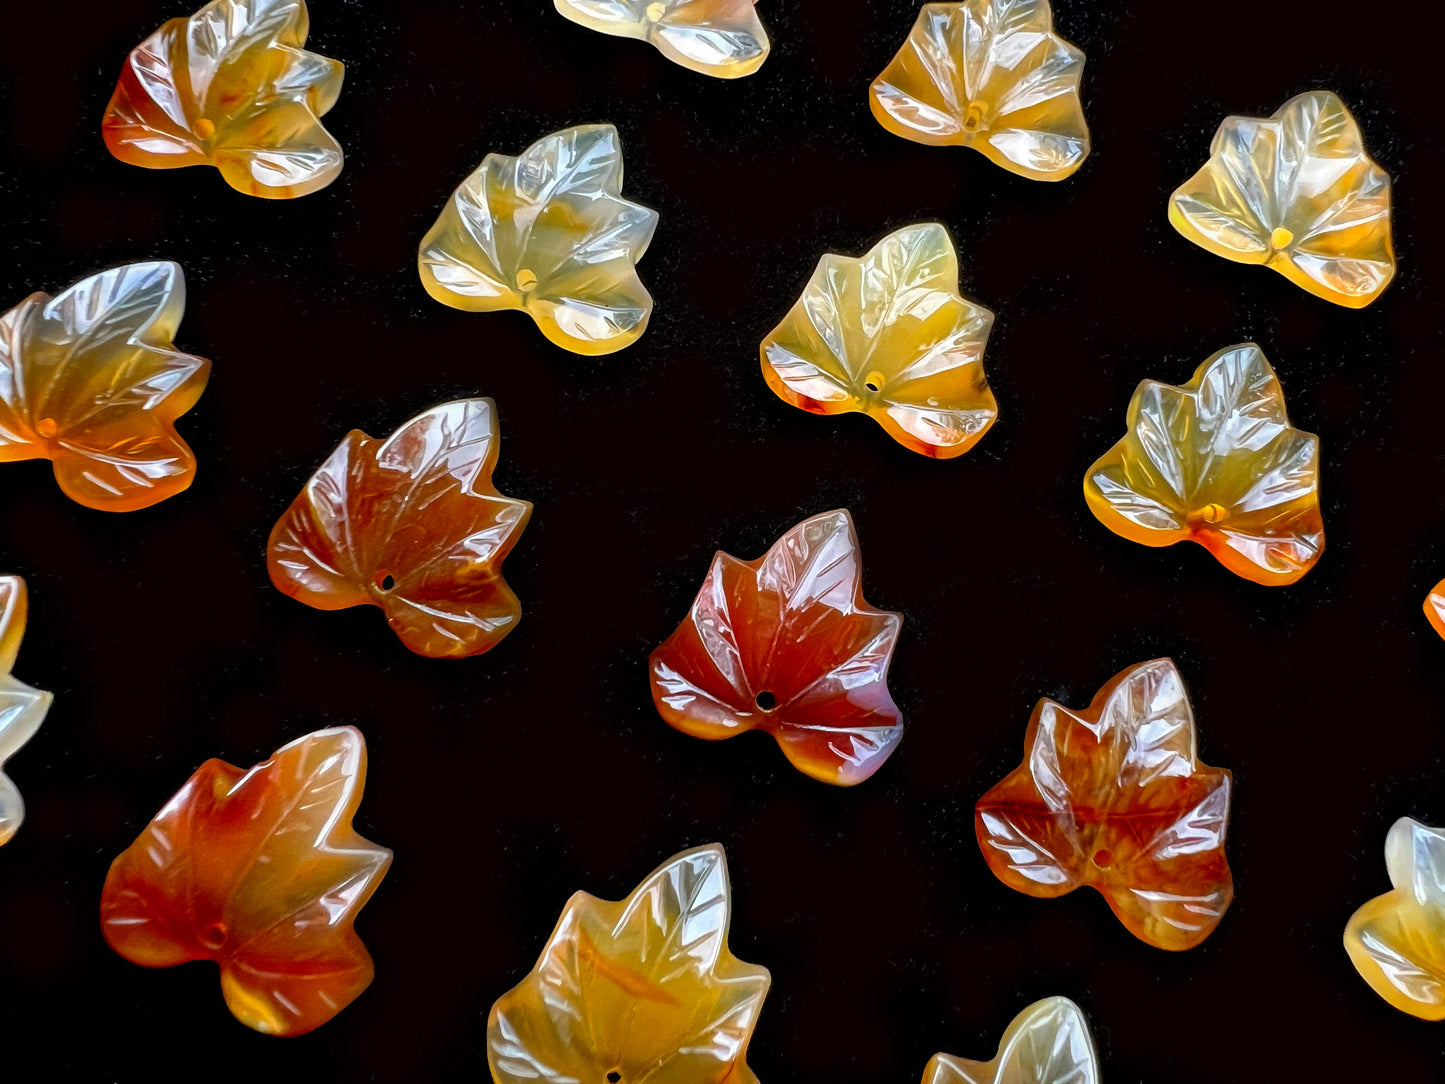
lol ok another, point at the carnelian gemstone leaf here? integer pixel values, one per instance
(92, 381)
(1216, 462)
(1295, 192)
(1435, 608)
(412, 524)
(262, 872)
(1397, 941)
(548, 232)
(231, 87)
(787, 645)
(890, 336)
(723, 38)
(1047, 1043)
(22, 709)
(991, 75)
(642, 991)
(1114, 797)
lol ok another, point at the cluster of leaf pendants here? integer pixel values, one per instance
(261, 870)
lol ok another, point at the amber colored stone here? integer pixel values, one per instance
(1114, 797)
(723, 38)
(787, 645)
(889, 335)
(1397, 941)
(641, 990)
(549, 233)
(92, 381)
(1295, 192)
(1047, 1043)
(991, 75)
(22, 709)
(262, 872)
(1435, 608)
(414, 525)
(231, 87)
(1216, 462)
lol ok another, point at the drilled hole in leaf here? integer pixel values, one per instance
(385, 580)
(1103, 859)
(874, 381)
(767, 701)
(213, 936)
(613, 1077)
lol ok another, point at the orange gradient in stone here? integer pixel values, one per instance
(231, 87)
(1114, 797)
(413, 525)
(1435, 608)
(991, 75)
(22, 709)
(92, 381)
(644, 989)
(1397, 941)
(1216, 462)
(1295, 192)
(262, 872)
(1047, 1043)
(787, 645)
(889, 335)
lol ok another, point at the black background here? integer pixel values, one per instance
(506, 781)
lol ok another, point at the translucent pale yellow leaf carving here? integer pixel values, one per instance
(991, 75)
(642, 991)
(22, 709)
(889, 335)
(1047, 1043)
(724, 38)
(1295, 192)
(1397, 941)
(231, 87)
(1216, 462)
(549, 233)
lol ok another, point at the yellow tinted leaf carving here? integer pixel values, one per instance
(1397, 941)
(231, 87)
(1295, 192)
(1216, 462)
(889, 335)
(723, 38)
(549, 233)
(642, 991)
(22, 709)
(1047, 1043)
(991, 75)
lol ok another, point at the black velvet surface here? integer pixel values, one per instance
(507, 781)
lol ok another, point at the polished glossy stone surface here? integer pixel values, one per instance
(641, 990)
(414, 525)
(724, 38)
(889, 335)
(1295, 192)
(92, 381)
(1216, 462)
(261, 871)
(1114, 797)
(991, 75)
(787, 645)
(231, 87)
(1397, 941)
(1047, 1043)
(549, 233)
(22, 709)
